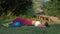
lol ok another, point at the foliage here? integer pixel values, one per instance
(15, 7)
(53, 7)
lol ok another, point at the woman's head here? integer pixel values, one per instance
(45, 24)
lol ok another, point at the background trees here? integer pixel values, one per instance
(16, 7)
(52, 8)
(25, 7)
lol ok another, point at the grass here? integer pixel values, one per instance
(53, 29)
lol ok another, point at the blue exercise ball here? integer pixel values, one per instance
(16, 24)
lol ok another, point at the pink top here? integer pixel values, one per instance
(24, 21)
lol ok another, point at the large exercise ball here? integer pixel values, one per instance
(16, 24)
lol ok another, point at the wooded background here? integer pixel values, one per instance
(25, 7)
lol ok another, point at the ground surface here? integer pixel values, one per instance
(53, 29)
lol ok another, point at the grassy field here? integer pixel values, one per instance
(53, 29)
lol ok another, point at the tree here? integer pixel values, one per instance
(16, 7)
(52, 8)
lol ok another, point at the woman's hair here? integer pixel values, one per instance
(46, 24)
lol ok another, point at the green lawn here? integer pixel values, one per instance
(53, 29)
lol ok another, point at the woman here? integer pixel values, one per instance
(27, 22)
